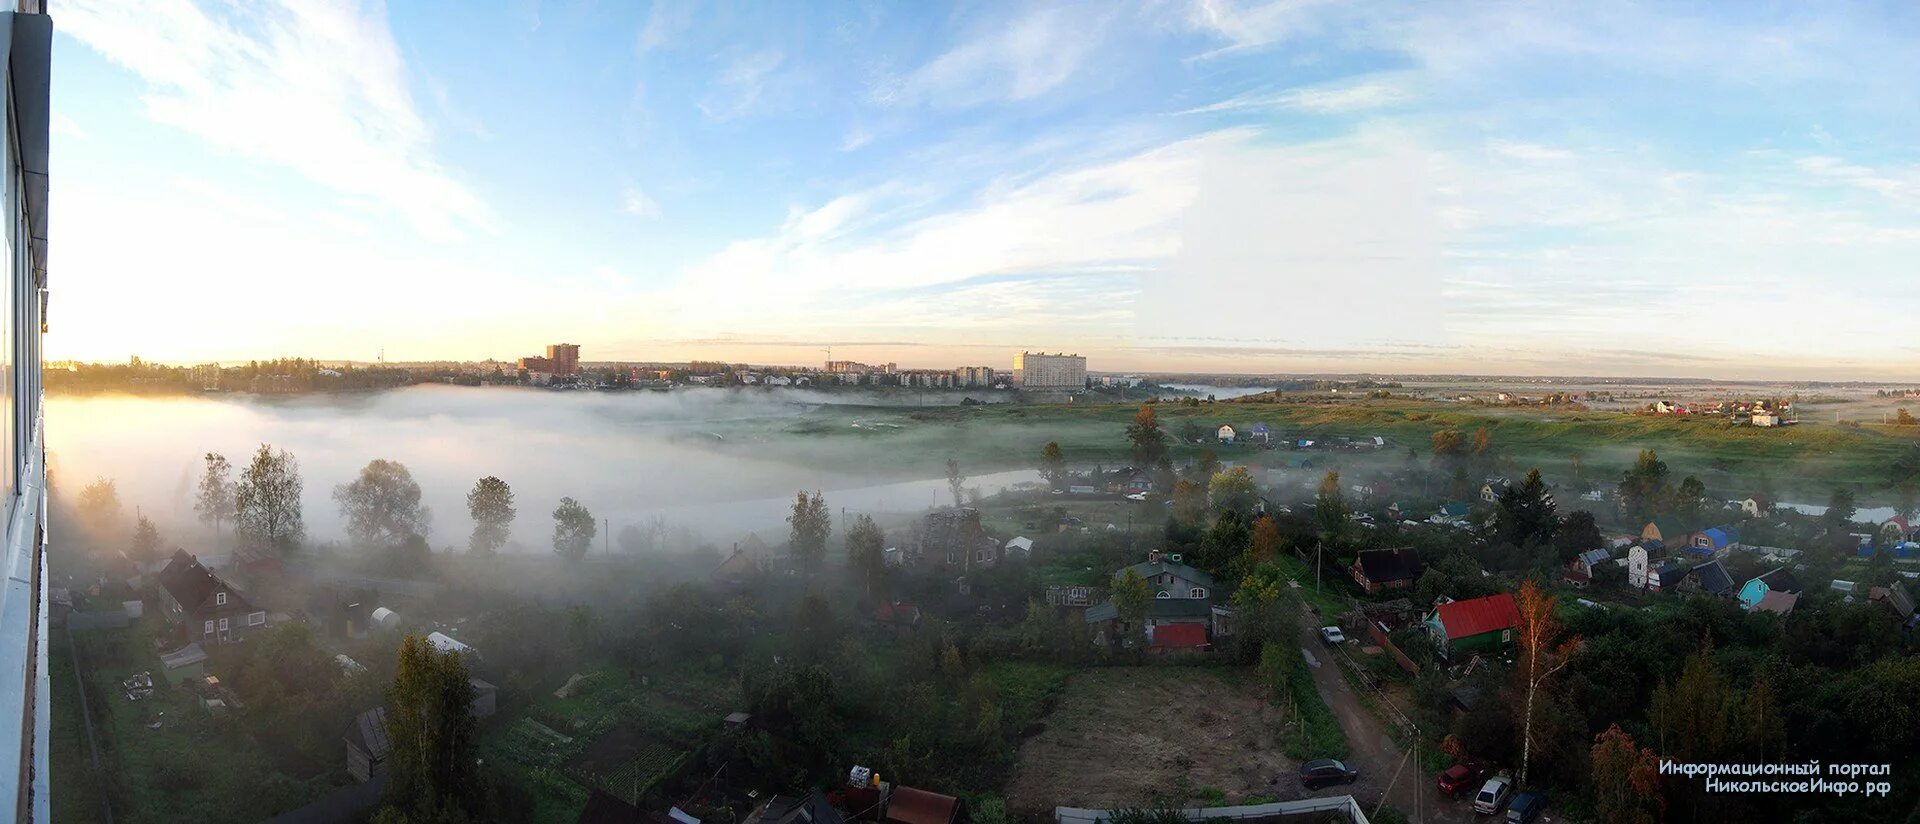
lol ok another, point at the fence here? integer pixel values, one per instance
(1379, 637)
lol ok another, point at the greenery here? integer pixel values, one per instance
(490, 504)
(267, 500)
(573, 530)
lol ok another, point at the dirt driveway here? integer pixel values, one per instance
(1384, 767)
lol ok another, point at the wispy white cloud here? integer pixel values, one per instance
(1247, 26)
(1019, 60)
(319, 88)
(665, 20)
(740, 84)
(1898, 184)
(1340, 98)
(634, 201)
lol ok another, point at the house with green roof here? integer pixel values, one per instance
(1181, 595)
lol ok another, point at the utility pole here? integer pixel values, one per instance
(1318, 550)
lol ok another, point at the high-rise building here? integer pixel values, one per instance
(1039, 371)
(971, 376)
(565, 358)
(27, 35)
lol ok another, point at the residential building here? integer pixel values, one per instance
(206, 608)
(1709, 578)
(1181, 595)
(1167, 577)
(1757, 506)
(1644, 561)
(1780, 580)
(1376, 570)
(565, 358)
(1225, 433)
(1713, 541)
(1580, 571)
(1476, 625)
(1491, 491)
(970, 377)
(954, 537)
(1260, 434)
(1038, 371)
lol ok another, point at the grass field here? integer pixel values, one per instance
(1803, 461)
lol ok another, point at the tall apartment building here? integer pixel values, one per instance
(1040, 371)
(972, 376)
(565, 358)
(27, 35)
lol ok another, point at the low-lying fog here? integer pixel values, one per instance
(627, 456)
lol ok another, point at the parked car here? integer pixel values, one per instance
(1460, 779)
(1326, 771)
(1526, 807)
(1493, 795)
(1333, 636)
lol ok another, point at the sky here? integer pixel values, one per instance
(1724, 190)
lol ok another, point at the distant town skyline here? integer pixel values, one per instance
(1616, 188)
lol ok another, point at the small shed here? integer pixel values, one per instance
(384, 618)
(446, 643)
(367, 744)
(1021, 544)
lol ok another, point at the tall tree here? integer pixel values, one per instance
(1644, 491)
(1906, 499)
(1542, 654)
(100, 505)
(215, 499)
(1189, 501)
(1266, 541)
(1692, 718)
(382, 506)
(1053, 465)
(1233, 491)
(146, 543)
(1206, 466)
(1526, 515)
(1148, 439)
(956, 482)
(573, 530)
(867, 553)
(490, 504)
(1130, 597)
(1690, 500)
(1330, 509)
(809, 525)
(1482, 443)
(1626, 779)
(1840, 510)
(1577, 533)
(267, 500)
(1448, 443)
(431, 769)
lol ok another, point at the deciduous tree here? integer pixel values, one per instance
(956, 482)
(1053, 465)
(382, 506)
(1626, 779)
(866, 554)
(1233, 491)
(267, 500)
(490, 504)
(1543, 653)
(1130, 597)
(1330, 510)
(573, 530)
(431, 768)
(1148, 439)
(214, 502)
(809, 525)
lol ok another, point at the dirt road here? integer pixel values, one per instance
(1385, 770)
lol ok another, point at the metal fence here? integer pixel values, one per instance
(1339, 804)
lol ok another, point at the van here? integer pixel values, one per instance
(1526, 807)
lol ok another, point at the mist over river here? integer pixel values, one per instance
(722, 462)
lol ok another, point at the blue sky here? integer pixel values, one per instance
(1727, 190)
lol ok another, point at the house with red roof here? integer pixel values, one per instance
(1474, 625)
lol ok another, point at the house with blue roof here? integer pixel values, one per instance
(1713, 541)
(1259, 433)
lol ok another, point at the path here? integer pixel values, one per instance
(1373, 753)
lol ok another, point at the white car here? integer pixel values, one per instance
(1493, 795)
(1137, 496)
(1333, 636)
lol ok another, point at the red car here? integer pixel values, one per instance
(1460, 779)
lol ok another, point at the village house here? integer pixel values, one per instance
(1128, 480)
(1895, 531)
(1181, 595)
(1580, 570)
(1709, 578)
(204, 607)
(1382, 569)
(954, 537)
(1665, 530)
(1225, 433)
(1491, 491)
(1780, 580)
(1714, 541)
(1453, 513)
(1475, 625)
(1644, 561)
(1260, 434)
(367, 745)
(1756, 506)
